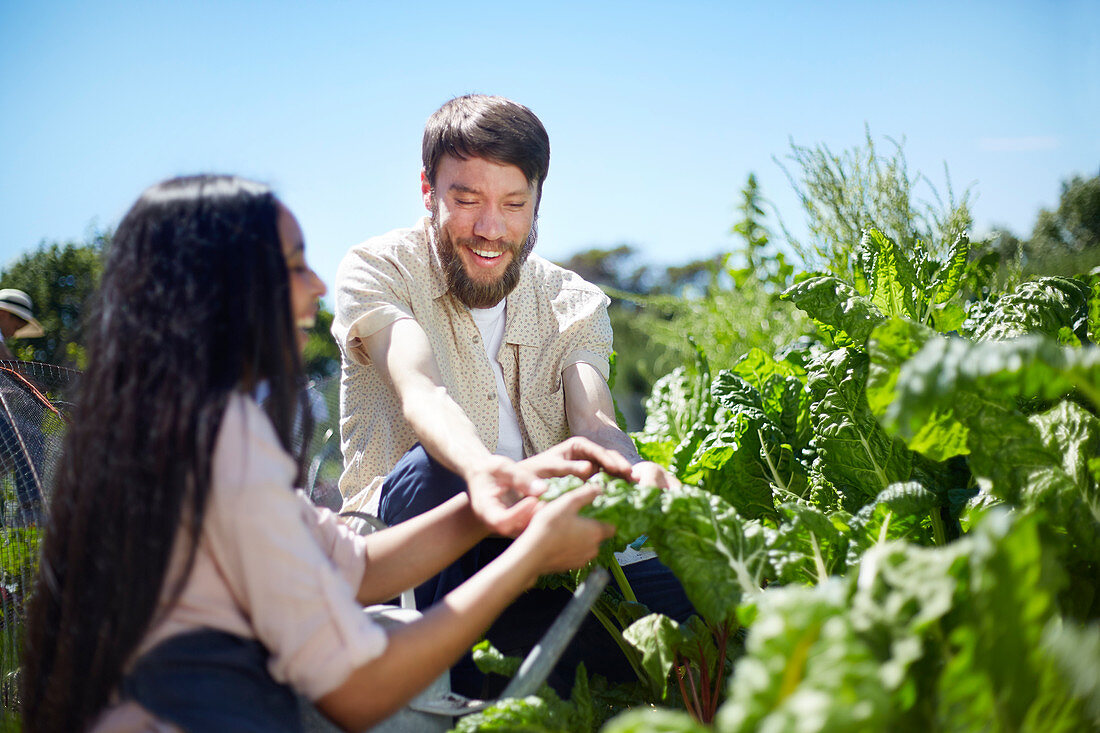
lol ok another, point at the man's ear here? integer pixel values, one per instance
(426, 189)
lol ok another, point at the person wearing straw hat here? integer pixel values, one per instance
(16, 319)
(21, 443)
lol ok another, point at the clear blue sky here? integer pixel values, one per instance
(657, 112)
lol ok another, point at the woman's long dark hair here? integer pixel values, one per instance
(194, 304)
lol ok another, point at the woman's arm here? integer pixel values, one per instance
(409, 553)
(557, 539)
(406, 554)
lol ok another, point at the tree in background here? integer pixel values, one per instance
(1066, 240)
(59, 277)
(321, 357)
(844, 195)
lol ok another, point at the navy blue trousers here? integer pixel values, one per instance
(212, 681)
(418, 483)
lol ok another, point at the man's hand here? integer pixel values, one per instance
(576, 456)
(648, 473)
(503, 493)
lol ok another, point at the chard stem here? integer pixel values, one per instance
(771, 466)
(939, 534)
(819, 561)
(704, 681)
(722, 639)
(620, 578)
(697, 711)
(681, 671)
(627, 650)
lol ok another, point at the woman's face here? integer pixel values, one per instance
(305, 287)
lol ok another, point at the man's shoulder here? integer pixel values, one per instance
(400, 255)
(396, 243)
(554, 279)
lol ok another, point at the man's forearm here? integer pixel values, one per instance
(611, 437)
(445, 431)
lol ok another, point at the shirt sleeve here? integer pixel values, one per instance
(292, 570)
(587, 335)
(371, 293)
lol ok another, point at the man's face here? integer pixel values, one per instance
(483, 215)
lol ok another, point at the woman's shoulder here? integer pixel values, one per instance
(248, 453)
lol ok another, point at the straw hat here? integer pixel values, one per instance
(19, 303)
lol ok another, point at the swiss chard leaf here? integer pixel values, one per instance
(783, 395)
(748, 454)
(654, 720)
(901, 593)
(728, 463)
(1075, 650)
(858, 457)
(893, 277)
(900, 512)
(808, 546)
(657, 637)
(718, 556)
(847, 316)
(543, 713)
(892, 344)
(677, 410)
(1041, 306)
(756, 367)
(996, 669)
(490, 660)
(950, 277)
(805, 668)
(944, 370)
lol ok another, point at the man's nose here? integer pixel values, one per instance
(490, 224)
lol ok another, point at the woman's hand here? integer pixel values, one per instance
(558, 539)
(503, 492)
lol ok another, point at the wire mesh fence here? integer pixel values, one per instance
(34, 400)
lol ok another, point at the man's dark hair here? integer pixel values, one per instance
(494, 128)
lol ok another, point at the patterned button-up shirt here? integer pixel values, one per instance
(554, 319)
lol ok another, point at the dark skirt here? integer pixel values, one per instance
(212, 681)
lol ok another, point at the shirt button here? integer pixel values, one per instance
(490, 395)
(476, 338)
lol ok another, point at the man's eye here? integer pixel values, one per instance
(465, 202)
(517, 206)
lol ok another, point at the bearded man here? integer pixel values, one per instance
(464, 352)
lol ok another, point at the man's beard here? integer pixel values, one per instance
(474, 294)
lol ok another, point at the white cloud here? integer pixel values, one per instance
(1017, 144)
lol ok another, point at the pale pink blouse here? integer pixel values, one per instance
(270, 566)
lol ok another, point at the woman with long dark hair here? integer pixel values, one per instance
(181, 576)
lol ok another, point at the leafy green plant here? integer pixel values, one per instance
(845, 194)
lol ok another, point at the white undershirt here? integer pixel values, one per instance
(490, 322)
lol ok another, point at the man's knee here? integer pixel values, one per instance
(416, 484)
